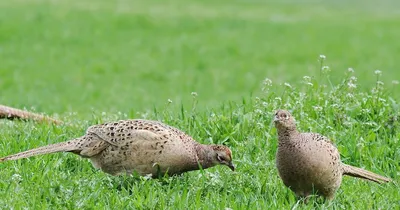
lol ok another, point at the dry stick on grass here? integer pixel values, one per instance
(13, 113)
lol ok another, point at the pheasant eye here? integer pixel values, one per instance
(220, 158)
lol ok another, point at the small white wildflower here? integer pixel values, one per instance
(317, 108)
(267, 82)
(260, 125)
(329, 127)
(370, 123)
(365, 111)
(258, 111)
(353, 78)
(322, 57)
(287, 85)
(194, 94)
(169, 101)
(395, 82)
(16, 178)
(326, 69)
(265, 104)
(310, 84)
(350, 70)
(349, 95)
(145, 115)
(351, 85)
(278, 98)
(347, 123)
(335, 105)
(382, 100)
(307, 78)
(380, 83)
(257, 99)
(378, 72)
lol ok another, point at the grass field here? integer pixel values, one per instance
(87, 62)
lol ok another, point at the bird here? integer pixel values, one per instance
(309, 163)
(146, 147)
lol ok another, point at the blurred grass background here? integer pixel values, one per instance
(78, 56)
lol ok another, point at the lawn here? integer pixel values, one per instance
(215, 69)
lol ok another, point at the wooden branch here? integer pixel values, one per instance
(13, 113)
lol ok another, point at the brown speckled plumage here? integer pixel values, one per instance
(144, 146)
(309, 162)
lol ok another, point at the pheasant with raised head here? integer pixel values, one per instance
(309, 162)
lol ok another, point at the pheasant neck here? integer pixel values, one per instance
(287, 135)
(204, 155)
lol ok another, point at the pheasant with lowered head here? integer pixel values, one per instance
(142, 146)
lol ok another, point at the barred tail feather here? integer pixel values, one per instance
(364, 174)
(68, 146)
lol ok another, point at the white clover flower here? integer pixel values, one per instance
(169, 101)
(378, 72)
(350, 70)
(194, 94)
(322, 57)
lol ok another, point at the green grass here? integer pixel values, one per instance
(88, 62)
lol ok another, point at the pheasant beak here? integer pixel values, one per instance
(276, 118)
(231, 166)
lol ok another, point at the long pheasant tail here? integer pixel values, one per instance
(364, 174)
(68, 146)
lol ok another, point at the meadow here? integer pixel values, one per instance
(217, 70)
